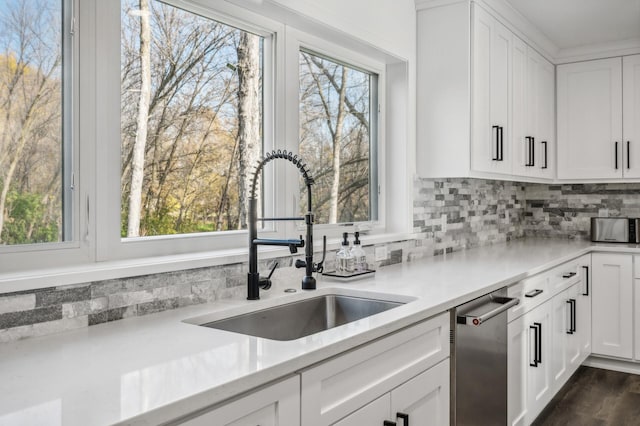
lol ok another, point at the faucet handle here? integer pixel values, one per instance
(320, 266)
(265, 283)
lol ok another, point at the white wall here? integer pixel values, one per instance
(387, 24)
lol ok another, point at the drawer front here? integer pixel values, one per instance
(531, 292)
(342, 385)
(543, 286)
(636, 266)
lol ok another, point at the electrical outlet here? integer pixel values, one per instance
(380, 253)
(443, 223)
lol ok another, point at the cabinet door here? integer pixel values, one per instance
(631, 114)
(545, 133)
(520, 108)
(374, 413)
(637, 305)
(560, 327)
(584, 308)
(490, 148)
(612, 305)
(590, 119)
(539, 380)
(276, 405)
(424, 399)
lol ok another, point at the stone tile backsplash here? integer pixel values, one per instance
(478, 212)
(565, 211)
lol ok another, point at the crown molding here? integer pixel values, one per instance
(599, 51)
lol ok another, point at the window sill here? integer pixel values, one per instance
(34, 279)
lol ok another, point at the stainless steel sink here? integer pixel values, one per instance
(299, 319)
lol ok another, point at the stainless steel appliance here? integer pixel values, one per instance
(614, 230)
(479, 366)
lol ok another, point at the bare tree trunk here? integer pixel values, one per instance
(248, 117)
(337, 136)
(137, 164)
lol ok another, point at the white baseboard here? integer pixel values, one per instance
(625, 366)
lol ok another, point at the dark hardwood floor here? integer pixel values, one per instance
(595, 397)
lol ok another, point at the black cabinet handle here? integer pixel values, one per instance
(533, 293)
(389, 423)
(573, 315)
(497, 129)
(569, 274)
(533, 151)
(616, 153)
(404, 417)
(527, 140)
(570, 329)
(544, 143)
(501, 129)
(535, 345)
(628, 155)
(586, 274)
(539, 341)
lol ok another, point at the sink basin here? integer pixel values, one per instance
(299, 319)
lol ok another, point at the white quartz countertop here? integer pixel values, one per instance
(148, 370)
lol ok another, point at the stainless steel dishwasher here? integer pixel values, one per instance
(479, 360)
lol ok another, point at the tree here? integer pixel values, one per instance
(249, 140)
(137, 163)
(334, 137)
(30, 120)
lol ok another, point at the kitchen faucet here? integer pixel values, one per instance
(254, 281)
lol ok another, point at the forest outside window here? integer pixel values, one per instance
(191, 120)
(35, 171)
(338, 120)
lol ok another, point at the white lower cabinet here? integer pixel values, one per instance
(612, 316)
(549, 341)
(274, 405)
(410, 367)
(423, 400)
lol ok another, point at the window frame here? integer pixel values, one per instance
(301, 41)
(71, 248)
(97, 250)
(110, 245)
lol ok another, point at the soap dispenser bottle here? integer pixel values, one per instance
(344, 258)
(359, 256)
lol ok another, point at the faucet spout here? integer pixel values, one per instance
(254, 281)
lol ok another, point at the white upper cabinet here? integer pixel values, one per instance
(533, 113)
(492, 45)
(589, 120)
(631, 114)
(481, 91)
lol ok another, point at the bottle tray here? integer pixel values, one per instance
(349, 276)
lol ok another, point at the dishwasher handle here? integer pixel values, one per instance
(505, 304)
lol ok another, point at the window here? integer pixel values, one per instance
(338, 108)
(35, 150)
(191, 120)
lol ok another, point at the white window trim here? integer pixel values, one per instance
(297, 40)
(110, 246)
(94, 255)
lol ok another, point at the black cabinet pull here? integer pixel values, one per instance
(535, 345)
(404, 417)
(569, 274)
(586, 274)
(539, 341)
(570, 329)
(496, 157)
(533, 151)
(544, 143)
(389, 423)
(527, 140)
(501, 129)
(533, 293)
(616, 153)
(628, 155)
(573, 315)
